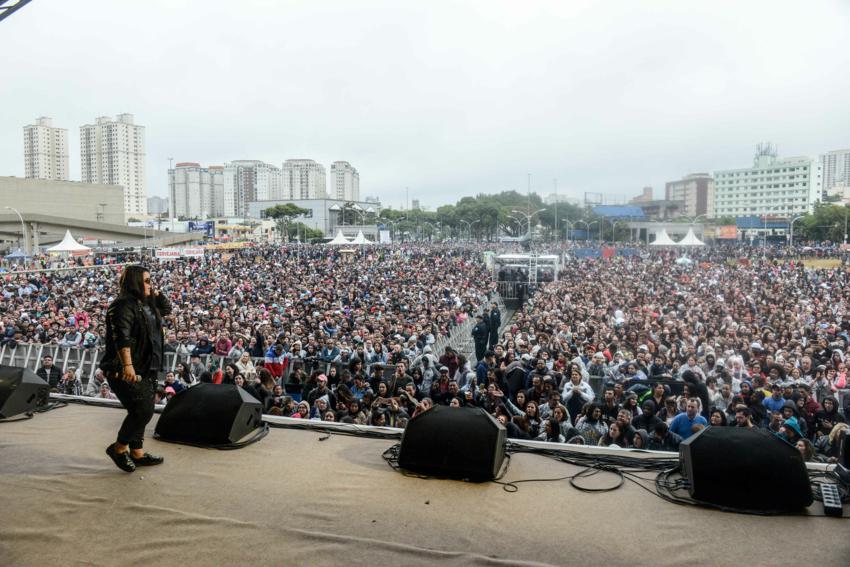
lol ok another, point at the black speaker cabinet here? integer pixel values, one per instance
(210, 414)
(462, 443)
(745, 468)
(21, 391)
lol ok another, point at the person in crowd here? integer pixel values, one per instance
(662, 439)
(48, 372)
(70, 384)
(94, 385)
(684, 423)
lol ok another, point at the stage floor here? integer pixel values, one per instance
(292, 499)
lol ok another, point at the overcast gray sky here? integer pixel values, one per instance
(446, 98)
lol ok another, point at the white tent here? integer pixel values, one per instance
(360, 239)
(338, 240)
(663, 239)
(70, 246)
(691, 239)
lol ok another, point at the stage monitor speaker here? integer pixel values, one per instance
(210, 415)
(21, 391)
(745, 468)
(462, 443)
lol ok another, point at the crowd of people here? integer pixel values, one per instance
(635, 351)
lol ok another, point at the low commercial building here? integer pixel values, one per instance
(328, 215)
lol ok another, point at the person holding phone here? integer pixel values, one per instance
(132, 361)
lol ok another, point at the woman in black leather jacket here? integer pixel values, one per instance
(132, 361)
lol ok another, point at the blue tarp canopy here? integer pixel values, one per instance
(17, 254)
(619, 212)
(755, 222)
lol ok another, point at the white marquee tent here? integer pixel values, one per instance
(663, 239)
(361, 239)
(338, 240)
(691, 239)
(69, 246)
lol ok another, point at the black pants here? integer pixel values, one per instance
(137, 399)
(480, 349)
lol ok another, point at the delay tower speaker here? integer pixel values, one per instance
(462, 443)
(210, 415)
(21, 391)
(745, 468)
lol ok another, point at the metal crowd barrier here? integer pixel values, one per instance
(86, 361)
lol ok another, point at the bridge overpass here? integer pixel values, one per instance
(46, 230)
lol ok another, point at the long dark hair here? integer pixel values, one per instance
(132, 281)
(132, 284)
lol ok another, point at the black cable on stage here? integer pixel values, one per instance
(666, 483)
(354, 431)
(258, 434)
(40, 409)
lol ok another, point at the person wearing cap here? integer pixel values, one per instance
(495, 325)
(450, 360)
(480, 336)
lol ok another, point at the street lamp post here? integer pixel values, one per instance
(24, 230)
(569, 228)
(469, 227)
(795, 219)
(587, 226)
(528, 217)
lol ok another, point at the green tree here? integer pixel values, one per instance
(827, 222)
(284, 215)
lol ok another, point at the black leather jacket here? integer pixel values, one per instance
(126, 327)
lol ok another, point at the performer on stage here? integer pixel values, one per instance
(132, 361)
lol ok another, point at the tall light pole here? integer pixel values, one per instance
(587, 226)
(24, 230)
(795, 219)
(614, 230)
(556, 211)
(469, 227)
(528, 217)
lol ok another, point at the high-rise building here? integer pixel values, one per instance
(835, 166)
(695, 192)
(345, 182)
(113, 152)
(45, 150)
(157, 205)
(249, 180)
(771, 187)
(305, 179)
(196, 191)
(217, 182)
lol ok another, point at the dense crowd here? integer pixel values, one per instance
(636, 351)
(719, 342)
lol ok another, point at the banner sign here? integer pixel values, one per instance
(207, 227)
(167, 253)
(193, 252)
(174, 253)
(729, 232)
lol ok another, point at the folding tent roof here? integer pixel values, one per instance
(663, 239)
(691, 239)
(338, 240)
(68, 244)
(360, 239)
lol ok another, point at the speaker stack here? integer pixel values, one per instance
(21, 391)
(210, 415)
(745, 468)
(461, 443)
